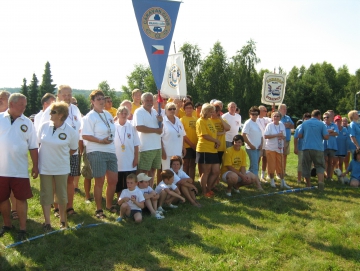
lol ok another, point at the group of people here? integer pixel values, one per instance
(129, 146)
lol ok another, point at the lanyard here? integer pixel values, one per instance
(71, 116)
(105, 121)
(121, 141)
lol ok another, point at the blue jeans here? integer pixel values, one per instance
(254, 160)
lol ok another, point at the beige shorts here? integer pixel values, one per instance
(53, 184)
(287, 148)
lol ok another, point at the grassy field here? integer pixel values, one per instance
(309, 230)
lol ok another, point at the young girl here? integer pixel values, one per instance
(354, 168)
(167, 190)
(151, 198)
(184, 183)
(131, 200)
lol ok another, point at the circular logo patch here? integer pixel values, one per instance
(24, 128)
(156, 23)
(62, 136)
(174, 76)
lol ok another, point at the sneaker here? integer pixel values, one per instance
(284, 185)
(160, 209)
(6, 229)
(272, 183)
(172, 206)
(47, 227)
(158, 216)
(21, 235)
(119, 219)
(228, 194)
(159, 212)
(237, 191)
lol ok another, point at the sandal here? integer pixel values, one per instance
(62, 225)
(56, 212)
(47, 227)
(112, 210)
(100, 214)
(14, 215)
(6, 229)
(71, 211)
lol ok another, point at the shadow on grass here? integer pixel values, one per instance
(346, 253)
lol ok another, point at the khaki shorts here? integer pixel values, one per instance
(150, 159)
(53, 184)
(300, 158)
(86, 169)
(275, 161)
(312, 156)
(287, 148)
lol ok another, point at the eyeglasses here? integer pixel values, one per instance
(53, 112)
(276, 116)
(172, 108)
(100, 99)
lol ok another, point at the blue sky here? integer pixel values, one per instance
(87, 42)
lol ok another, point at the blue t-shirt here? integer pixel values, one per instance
(300, 140)
(286, 119)
(313, 131)
(355, 131)
(354, 168)
(342, 141)
(331, 142)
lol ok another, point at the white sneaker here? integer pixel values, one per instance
(284, 185)
(159, 212)
(160, 209)
(158, 216)
(272, 183)
(237, 191)
(228, 194)
(277, 177)
(172, 206)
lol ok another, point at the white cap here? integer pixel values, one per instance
(143, 177)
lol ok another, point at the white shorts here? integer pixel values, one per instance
(223, 177)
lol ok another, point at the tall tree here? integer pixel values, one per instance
(33, 96)
(46, 84)
(192, 63)
(83, 103)
(108, 91)
(25, 91)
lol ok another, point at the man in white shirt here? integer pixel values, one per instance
(146, 121)
(262, 121)
(234, 120)
(46, 101)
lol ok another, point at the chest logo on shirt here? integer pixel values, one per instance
(192, 124)
(129, 136)
(23, 128)
(62, 136)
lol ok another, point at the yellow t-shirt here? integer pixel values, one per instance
(205, 127)
(190, 129)
(234, 158)
(220, 128)
(112, 111)
(182, 113)
(134, 107)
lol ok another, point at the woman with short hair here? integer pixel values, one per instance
(58, 141)
(99, 131)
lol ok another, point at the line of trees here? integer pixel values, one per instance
(217, 76)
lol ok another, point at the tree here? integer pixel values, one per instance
(105, 87)
(192, 63)
(25, 91)
(46, 84)
(83, 103)
(33, 96)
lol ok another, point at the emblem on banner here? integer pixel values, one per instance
(273, 90)
(156, 23)
(174, 76)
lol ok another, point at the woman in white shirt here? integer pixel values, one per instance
(58, 141)
(99, 131)
(275, 135)
(127, 143)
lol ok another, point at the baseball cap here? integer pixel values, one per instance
(143, 177)
(337, 117)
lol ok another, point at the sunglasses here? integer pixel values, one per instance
(172, 108)
(100, 99)
(53, 112)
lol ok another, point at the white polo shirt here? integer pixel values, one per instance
(95, 126)
(74, 119)
(173, 136)
(127, 136)
(148, 141)
(179, 175)
(37, 120)
(16, 140)
(253, 133)
(235, 123)
(54, 156)
(161, 186)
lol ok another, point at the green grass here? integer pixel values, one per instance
(309, 230)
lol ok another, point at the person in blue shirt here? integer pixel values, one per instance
(354, 168)
(313, 131)
(298, 142)
(289, 124)
(342, 141)
(354, 127)
(330, 145)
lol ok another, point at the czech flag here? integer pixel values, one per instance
(157, 49)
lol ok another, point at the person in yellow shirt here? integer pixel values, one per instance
(190, 140)
(206, 150)
(108, 106)
(136, 96)
(233, 170)
(221, 127)
(181, 111)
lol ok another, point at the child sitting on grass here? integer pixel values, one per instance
(167, 190)
(151, 198)
(131, 200)
(354, 168)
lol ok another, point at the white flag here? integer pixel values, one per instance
(174, 81)
(273, 88)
